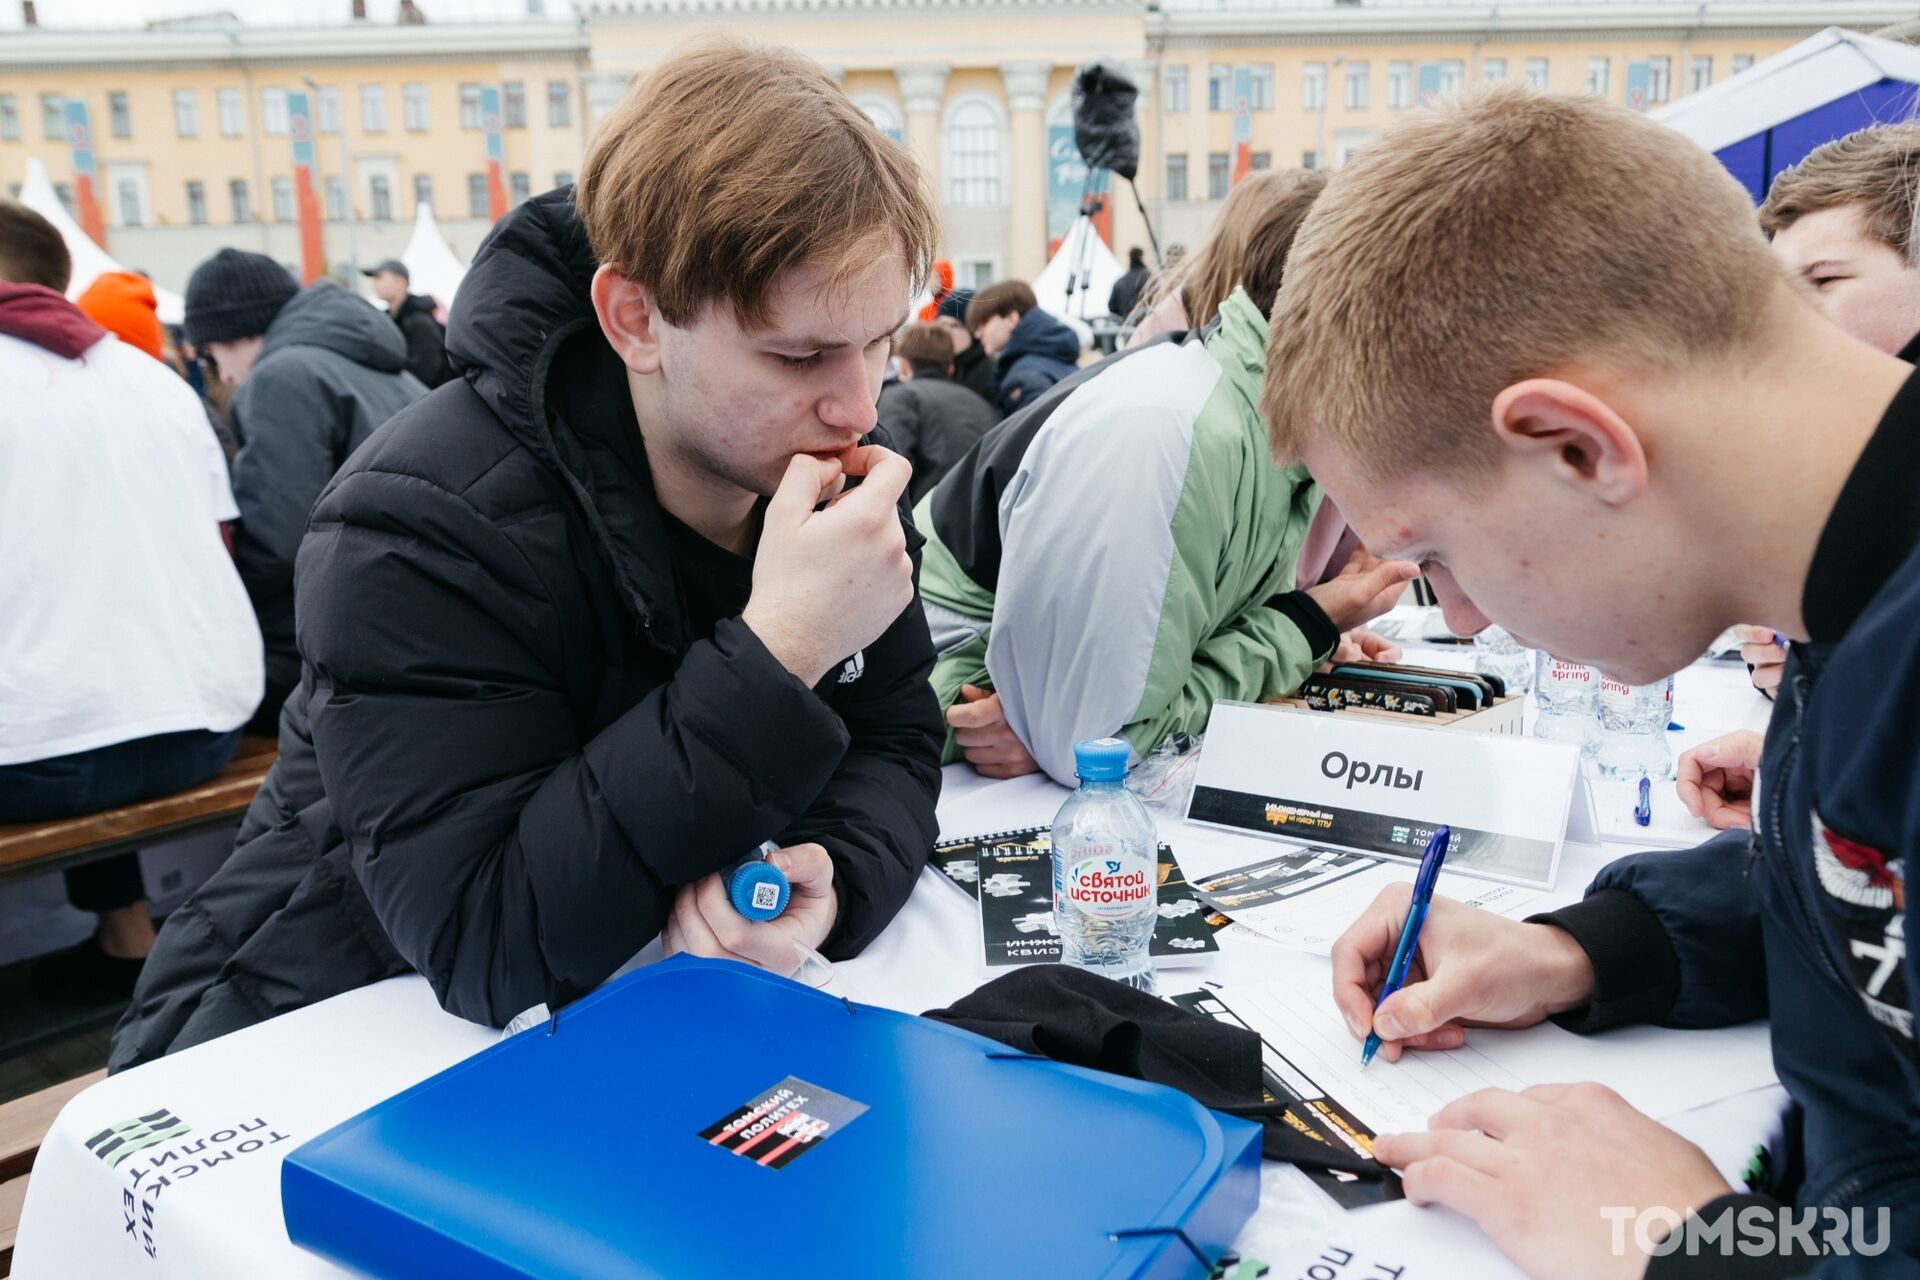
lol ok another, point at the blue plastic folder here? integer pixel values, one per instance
(701, 1118)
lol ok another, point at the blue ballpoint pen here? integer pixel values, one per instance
(1643, 812)
(1410, 931)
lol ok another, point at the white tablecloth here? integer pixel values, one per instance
(253, 1096)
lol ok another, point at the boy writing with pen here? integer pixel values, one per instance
(1564, 314)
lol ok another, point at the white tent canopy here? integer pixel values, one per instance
(1807, 76)
(1084, 262)
(432, 266)
(90, 261)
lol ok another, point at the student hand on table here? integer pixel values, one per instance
(704, 922)
(991, 746)
(1366, 588)
(1716, 779)
(1768, 660)
(1472, 969)
(1364, 646)
(1535, 1169)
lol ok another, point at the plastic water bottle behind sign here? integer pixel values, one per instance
(1495, 653)
(1633, 729)
(1564, 695)
(1105, 869)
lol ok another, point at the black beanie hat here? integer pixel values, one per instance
(955, 304)
(235, 294)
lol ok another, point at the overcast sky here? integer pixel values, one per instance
(262, 13)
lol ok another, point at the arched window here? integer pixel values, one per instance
(884, 116)
(974, 146)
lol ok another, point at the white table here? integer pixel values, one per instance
(257, 1094)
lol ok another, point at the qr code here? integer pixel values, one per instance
(766, 896)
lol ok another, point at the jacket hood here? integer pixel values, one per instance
(413, 302)
(525, 294)
(325, 315)
(1039, 334)
(36, 314)
(1240, 345)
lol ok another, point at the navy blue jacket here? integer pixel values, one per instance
(1805, 921)
(1040, 353)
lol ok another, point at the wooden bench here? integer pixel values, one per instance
(29, 848)
(23, 1123)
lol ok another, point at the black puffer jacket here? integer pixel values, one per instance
(426, 340)
(331, 370)
(507, 747)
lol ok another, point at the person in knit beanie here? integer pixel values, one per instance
(315, 371)
(123, 304)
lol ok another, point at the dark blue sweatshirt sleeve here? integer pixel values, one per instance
(1674, 937)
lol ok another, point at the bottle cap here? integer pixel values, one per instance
(1101, 759)
(758, 890)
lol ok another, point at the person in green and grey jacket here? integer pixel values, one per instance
(1123, 552)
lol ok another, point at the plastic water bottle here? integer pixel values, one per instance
(1105, 868)
(1564, 693)
(1495, 653)
(1633, 729)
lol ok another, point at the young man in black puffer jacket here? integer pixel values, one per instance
(582, 628)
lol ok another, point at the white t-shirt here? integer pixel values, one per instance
(121, 614)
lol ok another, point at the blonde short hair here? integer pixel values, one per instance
(1875, 169)
(1500, 236)
(730, 164)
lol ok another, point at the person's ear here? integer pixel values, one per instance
(1578, 436)
(630, 319)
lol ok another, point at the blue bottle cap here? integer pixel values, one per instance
(757, 889)
(1101, 759)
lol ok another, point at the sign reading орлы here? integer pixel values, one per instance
(1384, 788)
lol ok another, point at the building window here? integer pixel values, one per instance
(127, 195)
(973, 149)
(1309, 159)
(477, 195)
(380, 196)
(64, 192)
(974, 273)
(520, 188)
(561, 178)
(559, 104)
(1399, 84)
(9, 118)
(197, 203)
(336, 198)
(273, 113)
(1313, 86)
(1702, 73)
(513, 104)
(1741, 61)
(120, 118)
(237, 194)
(373, 108)
(1260, 86)
(1449, 76)
(1493, 70)
(1597, 70)
(53, 117)
(1537, 72)
(232, 114)
(1175, 89)
(1219, 88)
(1219, 175)
(283, 200)
(883, 117)
(422, 191)
(1659, 79)
(470, 117)
(1260, 161)
(413, 107)
(1177, 177)
(186, 113)
(1359, 87)
(326, 110)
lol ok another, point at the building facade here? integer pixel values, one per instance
(191, 130)
(191, 138)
